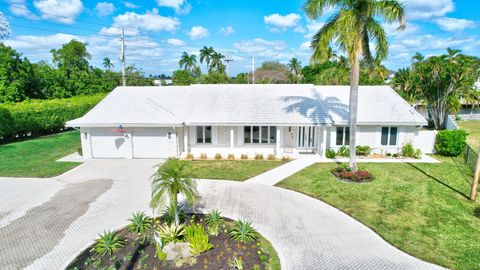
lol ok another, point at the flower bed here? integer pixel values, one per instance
(358, 176)
(195, 244)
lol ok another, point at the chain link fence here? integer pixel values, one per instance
(470, 157)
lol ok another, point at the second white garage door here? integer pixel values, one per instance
(154, 143)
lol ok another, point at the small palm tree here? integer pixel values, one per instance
(217, 61)
(107, 63)
(353, 28)
(171, 179)
(295, 68)
(206, 53)
(187, 61)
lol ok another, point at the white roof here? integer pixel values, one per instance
(239, 104)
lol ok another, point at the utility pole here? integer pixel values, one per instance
(473, 193)
(253, 70)
(122, 57)
(228, 59)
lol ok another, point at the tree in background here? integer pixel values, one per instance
(272, 72)
(295, 69)
(4, 29)
(107, 63)
(182, 77)
(217, 63)
(188, 62)
(443, 80)
(404, 85)
(206, 54)
(17, 81)
(353, 28)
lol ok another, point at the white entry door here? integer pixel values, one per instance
(306, 137)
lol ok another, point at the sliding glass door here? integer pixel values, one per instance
(306, 137)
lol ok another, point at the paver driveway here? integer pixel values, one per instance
(44, 222)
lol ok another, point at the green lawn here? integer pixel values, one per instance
(238, 170)
(36, 157)
(420, 208)
(473, 129)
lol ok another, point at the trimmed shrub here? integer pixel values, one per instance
(271, 157)
(218, 156)
(39, 117)
(203, 156)
(450, 142)
(363, 150)
(244, 156)
(330, 153)
(409, 151)
(259, 157)
(343, 151)
(231, 157)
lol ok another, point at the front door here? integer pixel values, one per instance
(306, 137)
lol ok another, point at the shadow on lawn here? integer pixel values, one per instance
(439, 181)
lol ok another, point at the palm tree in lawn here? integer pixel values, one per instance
(295, 67)
(353, 28)
(187, 61)
(171, 179)
(206, 53)
(107, 63)
(216, 59)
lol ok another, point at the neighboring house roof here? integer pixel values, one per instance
(239, 104)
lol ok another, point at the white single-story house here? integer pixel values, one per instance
(162, 122)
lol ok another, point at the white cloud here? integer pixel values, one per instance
(19, 8)
(260, 47)
(30, 42)
(134, 23)
(104, 8)
(130, 5)
(280, 23)
(226, 31)
(299, 29)
(305, 46)
(198, 32)
(425, 9)
(64, 11)
(176, 42)
(180, 6)
(453, 24)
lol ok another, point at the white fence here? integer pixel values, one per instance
(425, 140)
(450, 124)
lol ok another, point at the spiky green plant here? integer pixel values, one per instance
(141, 224)
(198, 239)
(243, 231)
(171, 233)
(214, 221)
(108, 243)
(236, 263)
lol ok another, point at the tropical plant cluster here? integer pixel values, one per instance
(213, 243)
(450, 142)
(409, 151)
(38, 117)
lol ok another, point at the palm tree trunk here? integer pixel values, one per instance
(353, 108)
(173, 207)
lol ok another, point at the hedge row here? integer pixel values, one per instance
(39, 117)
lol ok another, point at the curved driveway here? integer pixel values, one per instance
(307, 233)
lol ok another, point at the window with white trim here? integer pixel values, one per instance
(343, 136)
(204, 134)
(259, 134)
(389, 136)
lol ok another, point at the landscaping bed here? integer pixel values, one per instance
(421, 208)
(238, 170)
(225, 252)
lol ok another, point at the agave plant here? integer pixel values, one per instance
(214, 221)
(171, 233)
(108, 243)
(141, 224)
(243, 231)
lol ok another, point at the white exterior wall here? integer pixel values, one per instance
(371, 136)
(425, 140)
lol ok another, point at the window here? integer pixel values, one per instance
(306, 137)
(343, 136)
(259, 134)
(204, 134)
(389, 136)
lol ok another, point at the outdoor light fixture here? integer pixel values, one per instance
(85, 135)
(119, 129)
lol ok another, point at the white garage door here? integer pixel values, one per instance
(109, 144)
(154, 143)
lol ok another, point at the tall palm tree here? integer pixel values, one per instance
(353, 28)
(170, 180)
(418, 57)
(216, 59)
(187, 61)
(206, 53)
(107, 63)
(295, 67)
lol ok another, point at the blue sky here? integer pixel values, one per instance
(158, 31)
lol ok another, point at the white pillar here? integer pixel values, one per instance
(185, 139)
(277, 145)
(232, 137)
(324, 141)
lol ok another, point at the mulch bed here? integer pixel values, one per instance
(360, 176)
(144, 256)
